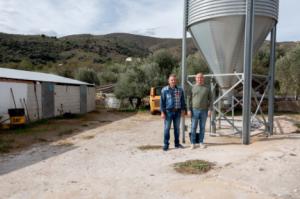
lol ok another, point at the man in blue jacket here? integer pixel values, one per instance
(172, 106)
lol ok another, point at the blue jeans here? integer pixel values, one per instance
(175, 117)
(198, 116)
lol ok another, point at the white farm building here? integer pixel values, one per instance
(43, 95)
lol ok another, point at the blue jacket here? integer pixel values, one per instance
(168, 99)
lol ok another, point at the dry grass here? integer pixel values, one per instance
(6, 145)
(47, 131)
(88, 137)
(149, 147)
(64, 143)
(193, 166)
(66, 132)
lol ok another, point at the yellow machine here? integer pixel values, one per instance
(17, 116)
(154, 100)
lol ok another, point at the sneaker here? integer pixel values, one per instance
(202, 146)
(179, 146)
(193, 146)
(165, 148)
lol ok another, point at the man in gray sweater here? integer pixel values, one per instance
(199, 108)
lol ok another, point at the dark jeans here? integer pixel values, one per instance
(175, 117)
(198, 116)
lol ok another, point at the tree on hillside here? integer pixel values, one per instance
(261, 62)
(196, 64)
(87, 75)
(166, 62)
(153, 77)
(131, 85)
(288, 73)
(111, 73)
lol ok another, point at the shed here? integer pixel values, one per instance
(43, 95)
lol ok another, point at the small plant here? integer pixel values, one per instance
(88, 137)
(193, 166)
(149, 147)
(65, 143)
(6, 146)
(66, 132)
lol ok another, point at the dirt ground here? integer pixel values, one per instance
(103, 160)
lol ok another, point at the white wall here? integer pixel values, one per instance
(34, 103)
(6, 100)
(91, 99)
(66, 99)
(112, 102)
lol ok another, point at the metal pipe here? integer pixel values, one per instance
(220, 75)
(183, 64)
(228, 91)
(219, 108)
(248, 51)
(272, 80)
(213, 111)
(232, 110)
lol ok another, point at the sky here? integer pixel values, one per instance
(157, 18)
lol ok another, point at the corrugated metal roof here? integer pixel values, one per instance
(37, 76)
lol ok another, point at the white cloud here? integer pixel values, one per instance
(147, 17)
(48, 16)
(161, 18)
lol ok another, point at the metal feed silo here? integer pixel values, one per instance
(228, 33)
(218, 28)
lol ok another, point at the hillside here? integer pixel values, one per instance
(42, 52)
(66, 54)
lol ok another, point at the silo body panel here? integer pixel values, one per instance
(218, 29)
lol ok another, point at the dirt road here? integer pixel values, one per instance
(105, 162)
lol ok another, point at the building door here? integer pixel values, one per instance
(47, 100)
(83, 99)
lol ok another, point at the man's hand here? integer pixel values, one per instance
(162, 115)
(209, 113)
(190, 113)
(182, 113)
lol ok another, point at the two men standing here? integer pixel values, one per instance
(172, 104)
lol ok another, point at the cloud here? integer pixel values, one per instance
(48, 16)
(153, 18)
(160, 18)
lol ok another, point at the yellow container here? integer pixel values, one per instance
(17, 120)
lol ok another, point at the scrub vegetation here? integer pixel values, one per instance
(149, 147)
(101, 60)
(54, 130)
(193, 166)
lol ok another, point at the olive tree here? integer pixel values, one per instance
(288, 72)
(87, 75)
(131, 85)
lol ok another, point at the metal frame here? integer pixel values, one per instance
(250, 120)
(255, 121)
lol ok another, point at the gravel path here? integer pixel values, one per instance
(105, 163)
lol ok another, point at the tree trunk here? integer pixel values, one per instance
(138, 102)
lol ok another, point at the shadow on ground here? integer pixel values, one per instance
(20, 148)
